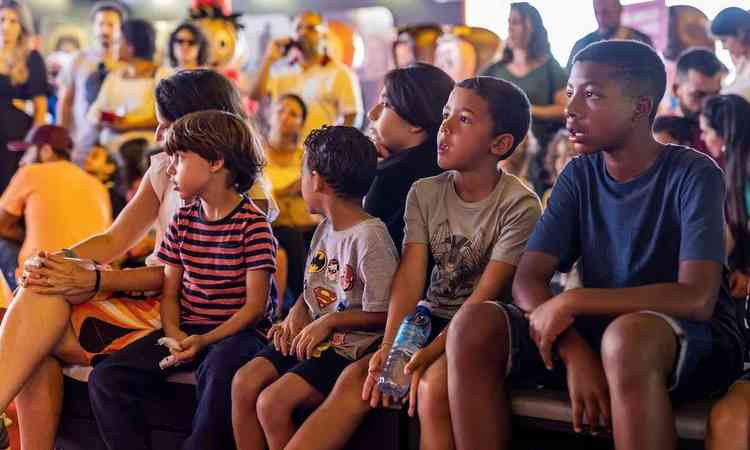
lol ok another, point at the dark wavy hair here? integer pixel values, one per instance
(417, 93)
(539, 42)
(220, 135)
(141, 36)
(200, 41)
(727, 115)
(193, 90)
(344, 157)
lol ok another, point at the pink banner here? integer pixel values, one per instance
(650, 17)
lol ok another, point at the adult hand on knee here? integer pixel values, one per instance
(48, 274)
(587, 387)
(548, 321)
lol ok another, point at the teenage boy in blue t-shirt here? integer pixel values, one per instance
(652, 322)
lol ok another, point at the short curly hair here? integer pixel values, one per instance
(220, 135)
(344, 157)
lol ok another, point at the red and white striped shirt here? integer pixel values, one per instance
(215, 257)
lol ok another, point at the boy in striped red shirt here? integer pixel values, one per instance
(219, 254)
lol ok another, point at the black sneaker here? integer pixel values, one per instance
(4, 439)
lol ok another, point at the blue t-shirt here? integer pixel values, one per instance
(637, 233)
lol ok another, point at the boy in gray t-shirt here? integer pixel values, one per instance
(343, 307)
(473, 221)
(464, 237)
(350, 270)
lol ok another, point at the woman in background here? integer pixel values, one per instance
(22, 77)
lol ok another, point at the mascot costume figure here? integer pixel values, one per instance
(221, 27)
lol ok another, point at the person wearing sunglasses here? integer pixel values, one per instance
(188, 47)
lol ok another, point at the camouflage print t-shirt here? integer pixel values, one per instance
(350, 270)
(464, 237)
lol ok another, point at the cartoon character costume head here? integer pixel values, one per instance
(462, 51)
(220, 25)
(416, 43)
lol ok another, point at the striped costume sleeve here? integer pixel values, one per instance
(259, 245)
(169, 251)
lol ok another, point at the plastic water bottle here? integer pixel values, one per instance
(412, 335)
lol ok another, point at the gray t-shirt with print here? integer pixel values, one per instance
(464, 237)
(350, 270)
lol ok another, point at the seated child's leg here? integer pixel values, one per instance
(247, 385)
(432, 405)
(304, 385)
(729, 423)
(118, 384)
(212, 425)
(344, 407)
(639, 353)
(477, 352)
(276, 406)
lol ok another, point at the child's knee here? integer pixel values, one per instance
(432, 397)
(730, 416)
(635, 345)
(274, 405)
(477, 332)
(246, 385)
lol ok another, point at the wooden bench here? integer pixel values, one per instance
(170, 416)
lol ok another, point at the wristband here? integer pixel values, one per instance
(98, 280)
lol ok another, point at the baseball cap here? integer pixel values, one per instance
(729, 21)
(56, 137)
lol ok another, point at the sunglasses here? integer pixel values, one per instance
(189, 42)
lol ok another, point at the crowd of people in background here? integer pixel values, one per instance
(583, 226)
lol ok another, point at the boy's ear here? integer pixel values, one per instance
(501, 144)
(415, 130)
(216, 166)
(318, 183)
(643, 108)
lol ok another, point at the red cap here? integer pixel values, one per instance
(56, 137)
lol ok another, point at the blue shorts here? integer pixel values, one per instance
(707, 359)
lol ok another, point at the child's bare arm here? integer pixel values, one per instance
(257, 284)
(692, 297)
(407, 288)
(170, 307)
(495, 280)
(355, 320)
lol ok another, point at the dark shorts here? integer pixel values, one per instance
(321, 373)
(704, 366)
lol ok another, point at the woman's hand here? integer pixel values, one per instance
(50, 274)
